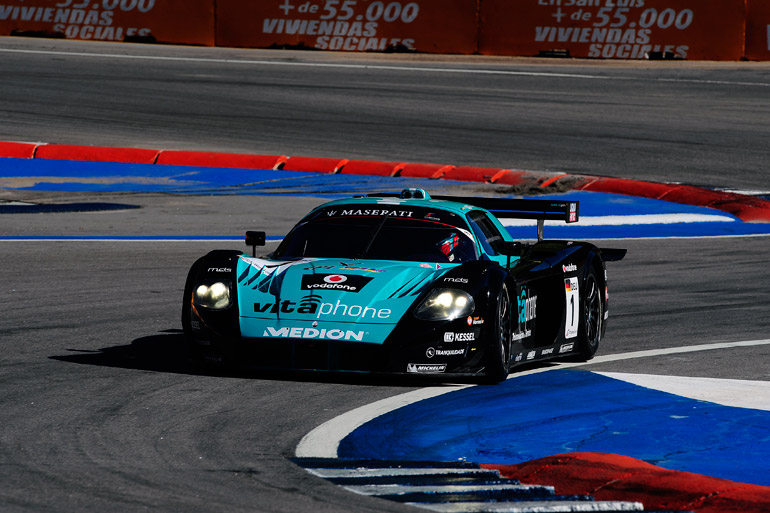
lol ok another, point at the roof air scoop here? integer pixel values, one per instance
(414, 194)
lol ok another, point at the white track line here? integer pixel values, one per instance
(369, 472)
(395, 489)
(312, 64)
(324, 440)
(532, 507)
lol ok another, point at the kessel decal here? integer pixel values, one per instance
(344, 282)
(450, 336)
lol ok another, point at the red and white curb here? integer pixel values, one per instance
(453, 487)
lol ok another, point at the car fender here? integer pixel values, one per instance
(217, 265)
(481, 279)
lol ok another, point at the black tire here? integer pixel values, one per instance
(195, 353)
(498, 356)
(592, 318)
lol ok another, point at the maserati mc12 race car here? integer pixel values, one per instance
(403, 283)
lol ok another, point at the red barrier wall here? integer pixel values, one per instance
(443, 26)
(163, 21)
(314, 164)
(210, 159)
(371, 167)
(17, 150)
(612, 29)
(96, 153)
(758, 30)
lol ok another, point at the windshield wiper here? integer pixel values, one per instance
(374, 236)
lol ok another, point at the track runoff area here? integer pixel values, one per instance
(586, 460)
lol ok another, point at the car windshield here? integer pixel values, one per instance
(374, 232)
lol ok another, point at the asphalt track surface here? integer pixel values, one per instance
(100, 409)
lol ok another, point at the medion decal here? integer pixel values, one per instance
(322, 333)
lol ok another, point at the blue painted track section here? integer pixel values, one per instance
(539, 415)
(598, 205)
(152, 178)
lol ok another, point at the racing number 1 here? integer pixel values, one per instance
(573, 305)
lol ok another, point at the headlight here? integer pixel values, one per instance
(445, 304)
(215, 296)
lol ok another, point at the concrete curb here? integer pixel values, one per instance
(746, 208)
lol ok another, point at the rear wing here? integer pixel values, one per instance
(541, 210)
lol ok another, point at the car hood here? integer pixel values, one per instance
(357, 300)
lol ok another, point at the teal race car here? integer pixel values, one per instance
(402, 283)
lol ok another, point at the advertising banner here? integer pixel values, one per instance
(162, 21)
(601, 29)
(436, 26)
(758, 30)
(614, 29)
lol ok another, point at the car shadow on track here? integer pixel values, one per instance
(167, 352)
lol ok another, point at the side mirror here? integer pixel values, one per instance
(255, 239)
(510, 248)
